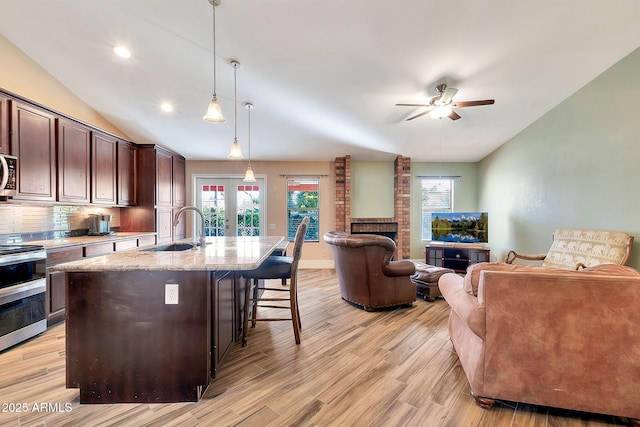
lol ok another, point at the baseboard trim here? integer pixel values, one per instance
(316, 263)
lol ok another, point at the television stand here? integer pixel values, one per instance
(456, 256)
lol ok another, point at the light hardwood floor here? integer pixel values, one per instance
(353, 368)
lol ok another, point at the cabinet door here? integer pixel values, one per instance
(179, 182)
(223, 318)
(4, 125)
(103, 169)
(164, 167)
(56, 296)
(164, 225)
(74, 159)
(33, 142)
(126, 174)
(434, 257)
(180, 231)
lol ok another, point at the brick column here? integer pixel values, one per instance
(402, 205)
(343, 193)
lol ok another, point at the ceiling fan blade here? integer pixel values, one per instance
(453, 115)
(411, 105)
(448, 95)
(473, 103)
(418, 115)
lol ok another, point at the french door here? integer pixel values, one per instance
(231, 207)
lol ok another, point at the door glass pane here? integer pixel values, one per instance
(213, 208)
(248, 210)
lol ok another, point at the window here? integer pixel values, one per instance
(437, 196)
(213, 201)
(303, 201)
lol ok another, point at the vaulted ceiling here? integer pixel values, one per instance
(324, 76)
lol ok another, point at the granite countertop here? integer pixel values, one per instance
(220, 253)
(86, 240)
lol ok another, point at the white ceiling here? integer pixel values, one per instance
(324, 76)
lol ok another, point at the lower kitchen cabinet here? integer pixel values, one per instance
(224, 319)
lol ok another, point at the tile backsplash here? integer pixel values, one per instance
(26, 222)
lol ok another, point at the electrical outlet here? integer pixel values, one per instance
(171, 293)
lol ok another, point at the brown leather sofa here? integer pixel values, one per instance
(550, 337)
(367, 275)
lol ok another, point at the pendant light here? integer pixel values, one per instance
(235, 152)
(249, 176)
(214, 112)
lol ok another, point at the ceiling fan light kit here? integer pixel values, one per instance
(442, 105)
(214, 112)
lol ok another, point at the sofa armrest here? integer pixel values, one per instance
(401, 267)
(466, 306)
(513, 255)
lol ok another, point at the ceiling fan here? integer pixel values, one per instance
(442, 105)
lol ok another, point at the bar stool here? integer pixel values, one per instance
(275, 267)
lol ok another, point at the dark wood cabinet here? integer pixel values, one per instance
(33, 142)
(160, 190)
(126, 153)
(179, 182)
(224, 319)
(56, 281)
(4, 124)
(74, 162)
(103, 169)
(164, 178)
(180, 230)
(166, 347)
(456, 257)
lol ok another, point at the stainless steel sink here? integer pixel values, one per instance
(174, 247)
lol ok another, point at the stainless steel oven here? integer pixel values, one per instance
(8, 175)
(22, 293)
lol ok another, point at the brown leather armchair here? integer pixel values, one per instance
(367, 275)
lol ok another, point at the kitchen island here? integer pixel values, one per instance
(155, 325)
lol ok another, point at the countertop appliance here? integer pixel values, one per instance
(22, 293)
(8, 175)
(100, 225)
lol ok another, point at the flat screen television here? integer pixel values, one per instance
(460, 227)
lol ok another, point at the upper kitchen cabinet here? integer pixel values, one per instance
(4, 124)
(179, 182)
(160, 189)
(33, 139)
(74, 162)
(103, 169)
(126, 173)
(164, 178)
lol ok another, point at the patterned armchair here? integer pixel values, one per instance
(573, 249)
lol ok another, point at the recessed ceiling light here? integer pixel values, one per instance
(122, 51)
(165, 106)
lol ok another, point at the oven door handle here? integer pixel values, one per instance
(23, 290)
(5, 173)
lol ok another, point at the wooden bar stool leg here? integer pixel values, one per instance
(254, 303)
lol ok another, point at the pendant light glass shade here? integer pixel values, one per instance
(214, 112)
(235, 152)
(249, 176)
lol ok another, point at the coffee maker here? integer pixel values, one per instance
(100, 225)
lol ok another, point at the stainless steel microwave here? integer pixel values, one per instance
(8, 175)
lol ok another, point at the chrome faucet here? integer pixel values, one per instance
(176, 221)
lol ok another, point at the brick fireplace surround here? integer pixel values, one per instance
(402, 205)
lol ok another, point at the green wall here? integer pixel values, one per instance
(577, 166)
(372, 190)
